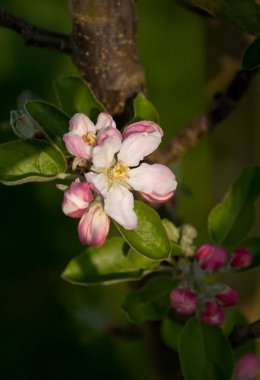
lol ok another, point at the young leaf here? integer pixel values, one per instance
(52, 122)
(151, 302)
(110, 263)
(251, 56)
(244, 14)
(205, 352)
(29, 161)
(231, 221)
(21, 124)
(171, 332)
(150, 237)
(76, 96)
(144, 109)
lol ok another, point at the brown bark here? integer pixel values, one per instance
(105, 53)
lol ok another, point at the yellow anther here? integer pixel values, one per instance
(119, 172)
(90, 138)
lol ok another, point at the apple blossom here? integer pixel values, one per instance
(184, 300)
(212, 314)
(84, 135)
(228, 296)
(247, 367)
(241, 258)
(211, 257)
(115, 172)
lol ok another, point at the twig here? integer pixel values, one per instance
(34, 35)
(221, 107)
(243, 334)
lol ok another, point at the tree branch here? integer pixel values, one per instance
(243, 334)
(221, 107)
(34, 35)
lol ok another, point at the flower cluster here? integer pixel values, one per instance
(115, 171)
(196, 294)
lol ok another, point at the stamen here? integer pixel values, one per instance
(90, 138)
(119, 172)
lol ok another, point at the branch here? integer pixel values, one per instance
(34, 35)
(221, 107)
(243, 334)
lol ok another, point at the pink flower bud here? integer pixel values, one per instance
(241, 258)
(94, 225)
(211, 257)
(143, 126)
(247, 367)
(228, 296)
(76, 199)
(212, 314)
(183, 300)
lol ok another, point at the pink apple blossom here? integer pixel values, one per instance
(241, 258)
(212, 314)
(184, 300)
(211, 257)
(117, 171)
(83, 135)
(94, 223)
(228, 296)
(247, 367)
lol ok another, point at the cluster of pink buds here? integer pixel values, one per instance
(110, 169)
(207, 299)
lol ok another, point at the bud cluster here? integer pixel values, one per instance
(195, 294)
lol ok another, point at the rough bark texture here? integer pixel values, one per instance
(105, 52)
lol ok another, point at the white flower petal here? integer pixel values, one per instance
(119, 205)
(77, 146)
(81, 124)
(103, 154)
(98, 182)
(149, 179)
(104, 120)
(137, 146)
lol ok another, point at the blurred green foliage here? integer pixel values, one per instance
(51, 329)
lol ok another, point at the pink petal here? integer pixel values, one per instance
(80, 124)
(104, 120)
(142, 126)
(98, 182)
(119, 205)
(155, 182)
(103, 154)
(77, 146)
(137, 146)
(76, 199)
(108, 132)
(94, 225)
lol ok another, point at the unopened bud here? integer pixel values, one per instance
(173, 232)
(247, 367)
(183, 300)
(211, 257)
(212, 314)
(228, 296)
(188, 235)
(241, 258)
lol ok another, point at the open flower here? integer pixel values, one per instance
(115, 171)
(84, 135)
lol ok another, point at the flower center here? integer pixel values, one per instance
(118, 172)
(90, 138)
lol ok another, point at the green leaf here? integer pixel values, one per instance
(52, 122)
(245, 14)
(251, 56)
(151, 302)
(144, 109)
(21, 124)
(110, 263)
(253, 244)
(205, 352)
(76, 96)
(171, 332)
(30, 161)
(231, 221)
(150, 237)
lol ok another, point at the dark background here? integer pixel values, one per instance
(51, 329)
